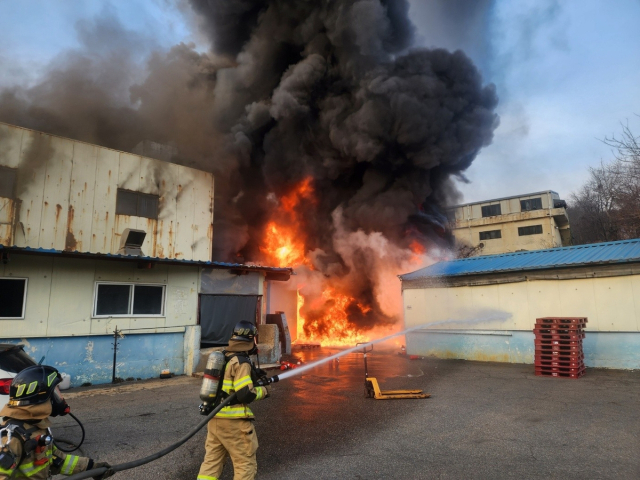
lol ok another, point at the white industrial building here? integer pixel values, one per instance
(485, 308)
(92, 239)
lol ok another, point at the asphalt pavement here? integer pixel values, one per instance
(483, 421)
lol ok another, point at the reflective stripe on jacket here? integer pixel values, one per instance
(237, 375)
(40, 463)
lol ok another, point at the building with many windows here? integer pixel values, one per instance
(512, 224)
(93, 240)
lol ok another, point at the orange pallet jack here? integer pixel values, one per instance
(372, 388)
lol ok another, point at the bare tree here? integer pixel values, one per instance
(607, 207)
(626, 169)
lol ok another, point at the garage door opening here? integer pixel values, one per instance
(220, 313)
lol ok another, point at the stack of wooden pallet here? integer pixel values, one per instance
(558, 342)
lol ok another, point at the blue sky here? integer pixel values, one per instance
(567, 73)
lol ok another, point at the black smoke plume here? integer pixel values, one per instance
(332, 90)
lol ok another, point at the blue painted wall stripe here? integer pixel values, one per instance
(601, 349)
(89, 359)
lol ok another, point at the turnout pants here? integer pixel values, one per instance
(236, 438)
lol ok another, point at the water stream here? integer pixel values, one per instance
(487, 317)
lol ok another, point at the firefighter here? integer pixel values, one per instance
(231, 432)
(26, 442)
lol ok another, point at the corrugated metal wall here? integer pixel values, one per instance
(65, 198)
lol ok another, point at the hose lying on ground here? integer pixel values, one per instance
(136, 463)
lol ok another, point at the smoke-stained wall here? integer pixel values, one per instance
(64, 198)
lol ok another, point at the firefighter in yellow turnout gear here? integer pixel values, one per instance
(26, 442)
(231, 432)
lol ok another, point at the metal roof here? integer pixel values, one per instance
(625, 251)
(172, 261)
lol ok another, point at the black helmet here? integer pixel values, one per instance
(244, 330)
(33, 385)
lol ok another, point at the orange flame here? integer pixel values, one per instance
(334, 324)
(418, 250)
(304, 190)
(281, 247)
(326, 316)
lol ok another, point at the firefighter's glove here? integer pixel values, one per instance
(106, 474)
(267, 389)
(261, 373)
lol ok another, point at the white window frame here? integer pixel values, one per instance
(24, 298)
(131, 299)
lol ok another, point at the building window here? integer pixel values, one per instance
(531, 204)
(127, 299)
(13, 297)
(491, 210)
(532, 230)
(136, 204)
(8, 182)
(490, 234)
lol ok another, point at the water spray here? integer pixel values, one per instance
(492, 316)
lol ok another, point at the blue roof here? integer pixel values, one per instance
(173, 261)
(625, 251)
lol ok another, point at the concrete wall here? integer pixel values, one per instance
(65, 198)
(610, 303)
(601, 349)
(60, 295)
(89, 359)
(511, 241)
(467, 223)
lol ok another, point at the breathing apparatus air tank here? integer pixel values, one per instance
(212, 382)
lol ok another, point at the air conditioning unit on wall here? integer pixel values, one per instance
(131, 242)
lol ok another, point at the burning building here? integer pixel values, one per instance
(332, 137)
(93, 240)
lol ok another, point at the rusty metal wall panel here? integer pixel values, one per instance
(167, 180)
(55, 204)
(36, 148)
(80, 212)
(66, 195)
(6, 209)
(203, 218)
(104, 201)
(186, 200)
(129, 179)
(6, 233)
(148, 182)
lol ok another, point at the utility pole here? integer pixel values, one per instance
(116, 334)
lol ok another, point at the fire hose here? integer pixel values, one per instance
(141, 461)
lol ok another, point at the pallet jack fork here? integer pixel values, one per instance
(372, 388)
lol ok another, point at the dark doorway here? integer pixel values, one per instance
(220, 313)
